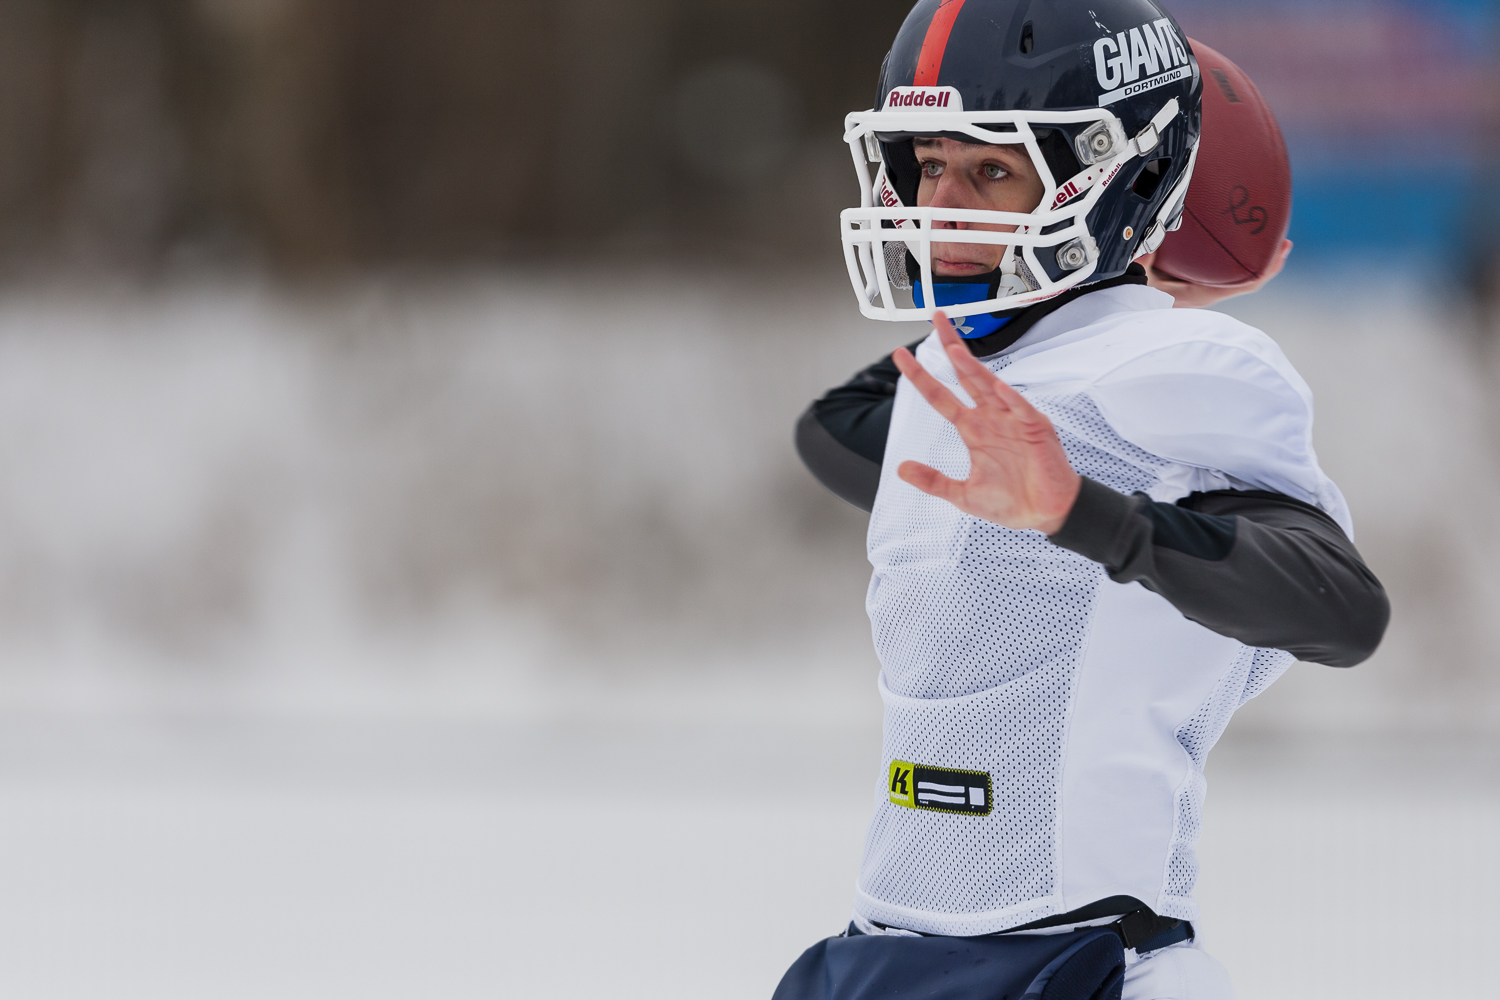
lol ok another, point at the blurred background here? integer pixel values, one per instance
(407, 583)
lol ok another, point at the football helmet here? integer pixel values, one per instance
(1105, 98)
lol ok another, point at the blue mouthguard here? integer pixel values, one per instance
(954, 294)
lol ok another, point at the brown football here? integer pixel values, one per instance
(1240, 199)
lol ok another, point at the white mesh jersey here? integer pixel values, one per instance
(1090, 705)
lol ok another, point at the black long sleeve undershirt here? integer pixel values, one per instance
(1260, 567)
(841, 437)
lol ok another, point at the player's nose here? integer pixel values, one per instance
(951, 192)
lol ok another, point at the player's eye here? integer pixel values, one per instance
(932, 168)
(995, 171)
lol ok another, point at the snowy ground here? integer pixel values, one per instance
(325, 860)
(420, 641)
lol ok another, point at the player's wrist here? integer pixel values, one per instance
(1052, 525)
(1098, 526)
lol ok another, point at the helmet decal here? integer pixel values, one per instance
(947, 98)
(930, 61)
(1155, 49)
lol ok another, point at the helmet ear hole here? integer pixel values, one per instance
(1149, 179)
(1027, 42)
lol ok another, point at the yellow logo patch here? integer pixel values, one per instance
(940, 789)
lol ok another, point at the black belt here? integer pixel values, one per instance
(1139, 927)
(1144, 931)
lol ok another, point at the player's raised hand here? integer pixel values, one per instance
(1019, 475)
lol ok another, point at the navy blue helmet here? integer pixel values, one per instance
(1104, 96)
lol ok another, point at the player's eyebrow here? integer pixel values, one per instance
(999, 148)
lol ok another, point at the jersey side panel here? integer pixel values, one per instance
(1146, 672)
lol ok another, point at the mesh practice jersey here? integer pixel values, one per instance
(1046, 727)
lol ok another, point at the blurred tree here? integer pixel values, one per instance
(92, 168)
(317, 134)
(30, 145)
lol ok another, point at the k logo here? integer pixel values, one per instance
(898, 782)
(939, 789)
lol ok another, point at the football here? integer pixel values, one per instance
(1240, 199)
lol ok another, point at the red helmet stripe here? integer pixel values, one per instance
(936, 43)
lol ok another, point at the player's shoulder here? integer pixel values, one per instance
(1190, 385)
(1147, 328)
(1192, 372)
(1146, 339)
(1192, 344)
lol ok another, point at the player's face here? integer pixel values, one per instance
(968, 175)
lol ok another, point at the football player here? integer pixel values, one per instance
(1098, 523)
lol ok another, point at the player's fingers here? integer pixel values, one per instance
(947, 335)
(1009, 414)
(929, 480)
(941, 398)
(951, 341)
(1277, 262)
(981, 383)
(977, 380)
(1016, 402)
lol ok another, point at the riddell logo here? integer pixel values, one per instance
(888, 198)
(1082, 183)
(1069, 190)
(937, 98)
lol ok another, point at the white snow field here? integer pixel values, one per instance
(212, 858)
(431, 640)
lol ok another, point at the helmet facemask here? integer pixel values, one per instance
(1051, 248)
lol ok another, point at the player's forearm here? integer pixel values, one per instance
(841, 436)
(1258, 567)
(846, 474)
